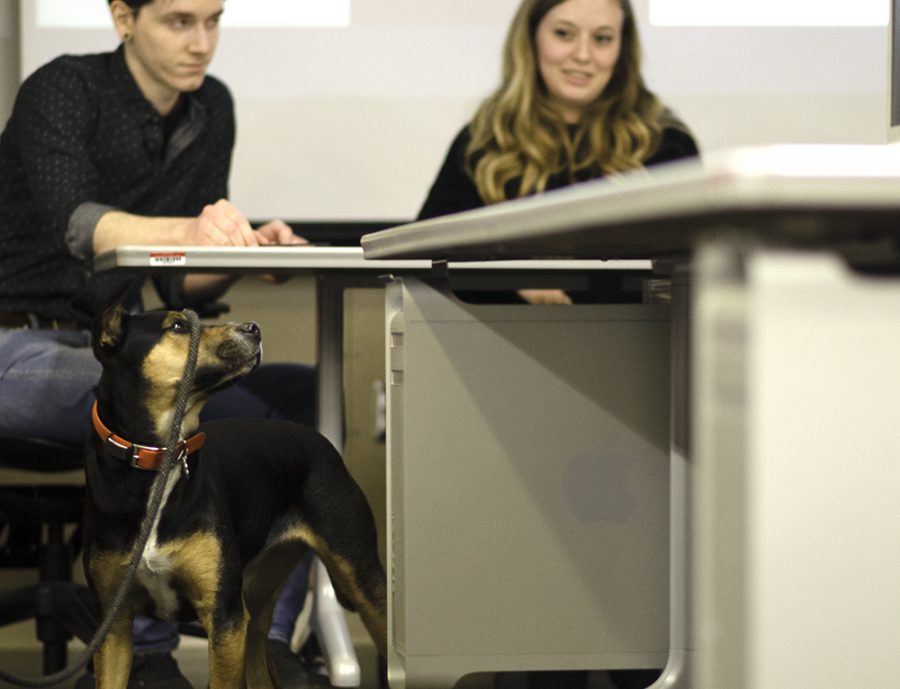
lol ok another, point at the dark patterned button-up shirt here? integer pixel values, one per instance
(82, 140)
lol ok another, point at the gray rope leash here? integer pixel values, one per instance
(153, 506)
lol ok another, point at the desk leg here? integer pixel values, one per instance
(676, 674)
(328, 619)
(330, 360)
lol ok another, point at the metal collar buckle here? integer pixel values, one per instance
(135, 455)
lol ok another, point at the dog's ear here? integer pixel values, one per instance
(109, 329)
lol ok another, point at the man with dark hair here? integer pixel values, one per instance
(128, 147)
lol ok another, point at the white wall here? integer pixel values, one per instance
(352, 123)
(740, 86)
(9, 56)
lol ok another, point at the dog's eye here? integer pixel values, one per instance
(179, 326)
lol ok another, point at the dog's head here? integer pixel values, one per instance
(144, 358)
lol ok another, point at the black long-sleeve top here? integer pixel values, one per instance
(83, 140)
(454, 190)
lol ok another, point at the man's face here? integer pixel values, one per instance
(169, 45)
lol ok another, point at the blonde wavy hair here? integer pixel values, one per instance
(517, 133)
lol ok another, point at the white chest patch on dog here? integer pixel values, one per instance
(155, 570)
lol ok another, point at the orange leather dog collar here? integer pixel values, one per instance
(141, 456)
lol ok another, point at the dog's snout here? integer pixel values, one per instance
(250, 328)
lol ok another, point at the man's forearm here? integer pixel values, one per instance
(116, 228)
(219, 224)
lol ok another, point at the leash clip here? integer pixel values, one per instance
(182, 457)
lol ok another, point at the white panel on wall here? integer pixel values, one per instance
(768, 13)
(90, 14)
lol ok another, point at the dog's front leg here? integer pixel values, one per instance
(112, 661)
(227, 648)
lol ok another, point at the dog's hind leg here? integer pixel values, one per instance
(360, 588)
(263, 580)
(349, 551)
(346, 541)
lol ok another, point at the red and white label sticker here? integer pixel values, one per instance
(168, 259)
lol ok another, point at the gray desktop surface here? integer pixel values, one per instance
(266, 258)
(803, 195)
(294, 258)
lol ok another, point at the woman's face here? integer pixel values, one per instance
(578, 44)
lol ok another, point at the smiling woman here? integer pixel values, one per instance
(572, 106)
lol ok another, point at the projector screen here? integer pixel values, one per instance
(346, 107)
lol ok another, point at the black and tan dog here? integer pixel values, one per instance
(248, 501)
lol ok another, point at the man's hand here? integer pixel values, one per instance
(220, 224)
(277, 232)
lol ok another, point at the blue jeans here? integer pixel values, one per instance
(47, 380)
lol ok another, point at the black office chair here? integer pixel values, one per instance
(40, 527)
